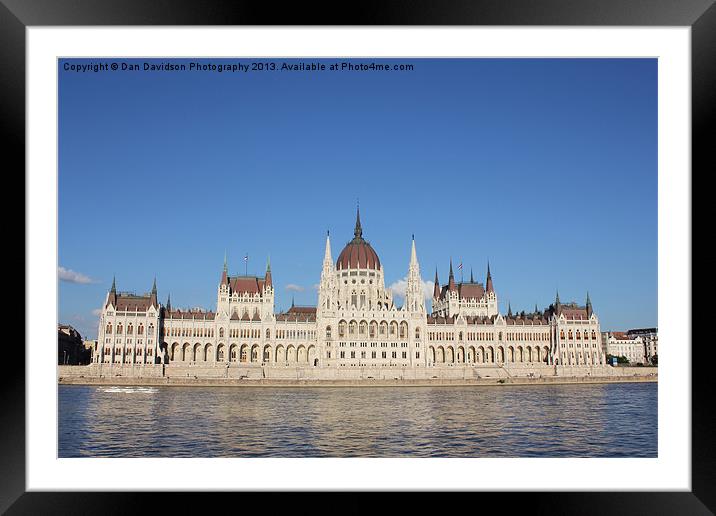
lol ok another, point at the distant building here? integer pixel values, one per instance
(91, 347)
(621, 344)
(650, 338)
(70, 348)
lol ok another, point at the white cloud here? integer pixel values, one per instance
(73, 277)
(97, 312)
(294, 288)
(399, 287)
(316, 286)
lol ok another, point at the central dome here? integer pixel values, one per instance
(358, 254)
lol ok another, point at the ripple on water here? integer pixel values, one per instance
(614, 420)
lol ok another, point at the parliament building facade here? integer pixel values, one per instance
(356, 324)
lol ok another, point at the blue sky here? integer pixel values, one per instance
(545, 167)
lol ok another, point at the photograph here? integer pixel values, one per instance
(357, 257)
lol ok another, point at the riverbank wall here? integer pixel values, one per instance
(256, 375)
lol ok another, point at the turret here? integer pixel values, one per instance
(112, 297)
(436, 288)
(488, 283)
(268, 281)
(557, 305)
(589, 306)
(451, 280)
(224, 273)
(414, 297)
(169, 302)
(153, 295)
(509, 310)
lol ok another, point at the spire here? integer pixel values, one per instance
(268, 280)
(224, 272)
(436, 289)
(413, 254)
(509, 309)
(112, 297)
(451, 279)
(557, 304)
(327, 256)
(536, 309)
(472, 280)
(589, 306)
(358, 232)
(292, 301)
(169, 302)
(153, 295)
(488, 283)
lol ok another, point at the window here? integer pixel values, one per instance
(328, 332)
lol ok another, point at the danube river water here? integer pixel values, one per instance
(609, 420)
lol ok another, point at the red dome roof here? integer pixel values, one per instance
(358, 254)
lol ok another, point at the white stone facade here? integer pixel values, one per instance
(622, 345)
(356, 325)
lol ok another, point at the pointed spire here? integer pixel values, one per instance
(292, 301)
(268, 280)
(358, 232)
(536, 309)
(472, 280)
(488, 283)
(509, 309)
(557, 304)
(169, 302)
(153, 295)
(436, 289)
(114, 286)
(589, 306)
(451, 279)
(225, 271)
(413, 253)
(327, 259)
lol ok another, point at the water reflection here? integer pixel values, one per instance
(613, 420)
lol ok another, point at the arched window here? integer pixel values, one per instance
(119, 329)
(221, 333)
(352, 326)
(268, 333)
(109, 328)
(579, 335)
(594, 335)
(570, 334)
(363, 328)
(342, 329)
(561, 334)
(417, 333)
(130, 329)
(328, 332)
(140, 329)
(151, 329)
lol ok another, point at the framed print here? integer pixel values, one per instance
(436, 228)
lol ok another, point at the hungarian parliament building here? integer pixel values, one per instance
(356, 323)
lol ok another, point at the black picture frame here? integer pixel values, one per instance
(700, 15)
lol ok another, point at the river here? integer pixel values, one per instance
(595, 420)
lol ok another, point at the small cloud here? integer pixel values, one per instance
(71, 276)
(316, 286)
(294, 288)
(399, 287)
(97, 312)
